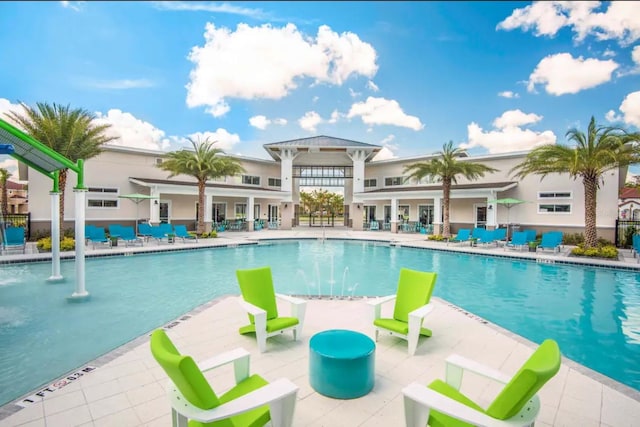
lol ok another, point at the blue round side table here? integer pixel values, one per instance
(341, 363)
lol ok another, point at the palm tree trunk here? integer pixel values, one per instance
(200, 225)
(590, 232)
(446, 193)
(5, 199)
(62, 178)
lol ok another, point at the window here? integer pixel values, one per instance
(274, 182)
(372, 182)
(554, 208)
(102, 190)
(393, 181)
(424, 180)
(251, 180)
(219, 212)
(158, 161)
(241, 210)
(106, 203)
(554, 195)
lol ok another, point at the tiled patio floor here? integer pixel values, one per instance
(128, 388)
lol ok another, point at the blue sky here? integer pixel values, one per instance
(491, 76)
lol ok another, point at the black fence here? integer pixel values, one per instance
(18, 220)
(625, 229)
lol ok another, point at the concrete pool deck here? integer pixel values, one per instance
(127, 387)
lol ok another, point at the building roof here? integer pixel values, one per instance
(630, 193)
(321, 143)
(195, 184)
(15, 186)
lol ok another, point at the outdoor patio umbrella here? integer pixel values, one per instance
(507, 203)
(137, 198)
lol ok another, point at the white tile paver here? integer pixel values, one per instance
(130, 389)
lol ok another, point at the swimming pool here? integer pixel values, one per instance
(594, 314)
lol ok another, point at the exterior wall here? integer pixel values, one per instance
(116, 165)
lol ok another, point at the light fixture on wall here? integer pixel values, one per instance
(285, 206)
(358, 206)
(155, 202)
(490, 207)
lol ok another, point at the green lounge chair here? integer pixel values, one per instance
(259, 301)
(411, 306)
(442, 404)
(251, 402)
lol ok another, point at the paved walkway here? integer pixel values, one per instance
(127, 388)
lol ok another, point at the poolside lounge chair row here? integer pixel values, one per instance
(126, 234)
(255, 401)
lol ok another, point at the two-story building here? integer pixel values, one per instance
(269, 190)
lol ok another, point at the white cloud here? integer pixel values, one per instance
(372, 86)
(335, 116)
(73, 5)
(132, 132)
(381, 111)
(262, 122)
(612, 117)
(192, 6)
(515, 118)
(562, 74)
(388, 149)
(618, 22)
(121, 84)
(315, 99)
(223, 139)
(508, 135)
(609, 53)
(635, 55)
(310, 121)
(508, 94)
(11, 165)
(630, 107)
(284, 56)
(6, 106)
(353, 93)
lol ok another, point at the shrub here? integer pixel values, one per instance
(66, 244)
(628, 236)
(436, 237)
(600, 251)
(573, 239)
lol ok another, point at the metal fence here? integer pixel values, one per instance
(18, 220)
(625, 229)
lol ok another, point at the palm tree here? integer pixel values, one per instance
(4, 176)
(70, 132)
(446, 169)
(205, 162)
(601, 149)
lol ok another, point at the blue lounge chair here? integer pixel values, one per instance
(14, 239)
(477, 232)
(128, 236)
(158, 233)
(531, 235)
(500, 235)
(374, 226)
(115, 230)
(144, 230)
(519, 240)
(182, 233)
(98, 236)
(464, 235)
(551, 240)
(487, 237)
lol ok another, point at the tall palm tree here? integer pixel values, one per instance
(446, 169)
(601, 149)
(203, 163)
(4, 176)
(71, 132)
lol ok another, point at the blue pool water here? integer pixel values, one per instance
(594, 314)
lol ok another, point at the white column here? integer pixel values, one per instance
(492, 212)
(394, 215)
(437, 215)
(358, 157)
(286, 169)
(80, 292)
(55, 238)
(250, 203)
(154, 208)
(208, 212)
